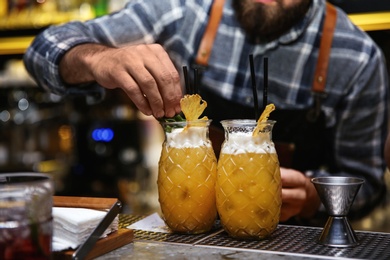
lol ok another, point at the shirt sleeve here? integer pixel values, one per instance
(43, 56)
(139, 22)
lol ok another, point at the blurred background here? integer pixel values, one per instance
(91, 146)
(103, 148)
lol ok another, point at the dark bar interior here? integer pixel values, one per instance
(101, 146)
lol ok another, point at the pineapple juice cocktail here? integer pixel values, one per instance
(248, 188)
(187, 176)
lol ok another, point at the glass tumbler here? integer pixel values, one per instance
(248, 188)
(26, 227)
(186, 177)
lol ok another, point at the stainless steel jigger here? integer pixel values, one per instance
(337, 194)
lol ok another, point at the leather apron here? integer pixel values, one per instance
(302, 140)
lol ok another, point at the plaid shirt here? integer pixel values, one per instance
(356, 104)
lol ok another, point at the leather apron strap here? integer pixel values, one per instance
(319, 82)
(206, 44)
(320, 74)
(325, 47)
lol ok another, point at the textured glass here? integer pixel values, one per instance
(248, 185)
(186, 178)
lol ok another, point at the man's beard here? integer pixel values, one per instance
(264, 23)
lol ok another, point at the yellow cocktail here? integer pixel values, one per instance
(187, 176)
(248, 188)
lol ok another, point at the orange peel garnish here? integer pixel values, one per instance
(193, 106)
(263, 118)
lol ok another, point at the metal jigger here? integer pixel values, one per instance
(337, 194)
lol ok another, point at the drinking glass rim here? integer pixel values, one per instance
(38, 178)
(244, 122)
(337, 180)
(185, 122)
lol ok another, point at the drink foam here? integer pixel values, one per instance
(191, 137)
(240, 142)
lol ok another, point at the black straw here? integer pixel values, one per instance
(254, 88)
(186, 80)
(196, 81)
(265, 84)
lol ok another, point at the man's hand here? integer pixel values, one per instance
(144, 72)
(299, 197)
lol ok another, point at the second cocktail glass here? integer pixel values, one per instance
(186, 178)
(248, 188)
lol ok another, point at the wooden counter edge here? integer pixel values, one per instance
(83, 202)
(103, 246)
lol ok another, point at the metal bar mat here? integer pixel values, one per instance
(297, 240)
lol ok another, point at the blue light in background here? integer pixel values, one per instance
(102, 134)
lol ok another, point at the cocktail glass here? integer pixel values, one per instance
(337, 194)
(26, 228)
(186, 177)
(248, 185)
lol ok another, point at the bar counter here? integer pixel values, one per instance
(287, 242)
(159, 251)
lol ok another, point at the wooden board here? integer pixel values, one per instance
(104, 245)
(113, 241)
(83, 202)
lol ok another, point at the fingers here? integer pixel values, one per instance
(157, 79)
(288, 211)
(136, 95)
(293, 193)
(145, 73)
(292, 178)
(293, 201)
(170, 77)
(146, 90)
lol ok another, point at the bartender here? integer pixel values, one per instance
(329, 85)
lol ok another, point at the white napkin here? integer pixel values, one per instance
(152, 223)
(72, 226)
